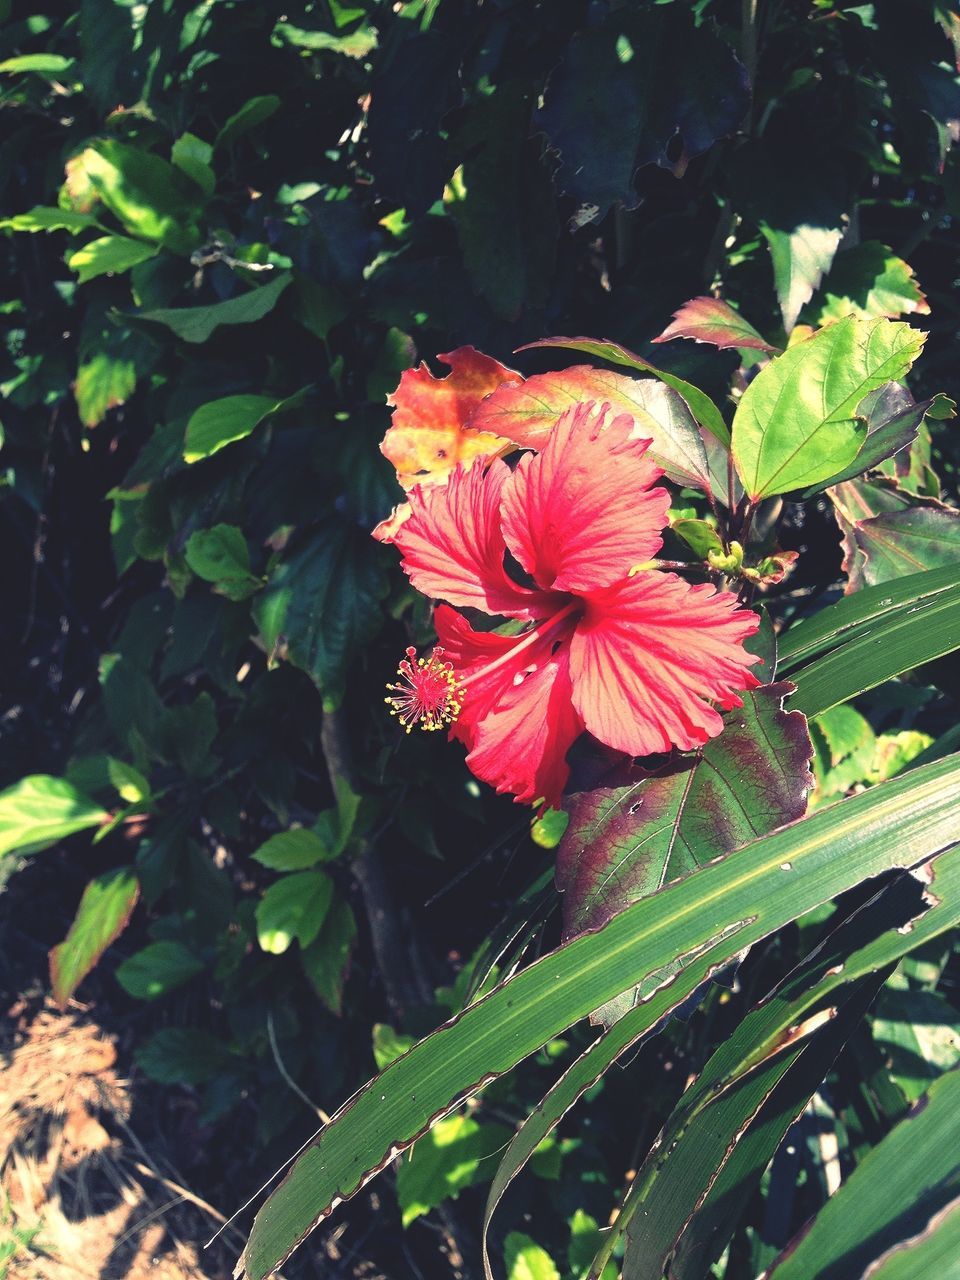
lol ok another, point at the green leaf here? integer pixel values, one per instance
(220, 555)
(358, 44)
(868, 280)
(183, 1055)
(92, 774)
(103, 914)
(389, 1044)
(192, 156)
(323, 599)
(918, 1033)
(41, 810)
(105, 381)
(526, 1260)
(698, 402)
(445, 1160)
(932, 1252)
(700, 922)
(107, 256)
(326, 961)
(915, 632)
(797, 423)
(713, 321)
(220, 422)
(292, 850)
(800, 256)
(195, 324)
(42, 218)
(46, 64)
(148, 195)
(758, 1034)
(158, 968)
(861, 614)
(890, 1197)
(253, 112)
(293, 908)
(893, 420)
(729, 1122)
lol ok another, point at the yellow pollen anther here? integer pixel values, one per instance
(430, 693)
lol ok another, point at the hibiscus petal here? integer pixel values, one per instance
(518, 721)
(426, 438)
(581, 514)
(649, 656)
(453, 548)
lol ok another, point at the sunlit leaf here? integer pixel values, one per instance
(149, 196)
(103, 914)
(799, 421)
(703, 920)
(40, 810)
(866, 281)
(713, 321)
(107, 256)
(427, 436)
(293, 908)
(528, 412)
(447, 1158)
(220, 422)
(699, 404)
(916, 1167)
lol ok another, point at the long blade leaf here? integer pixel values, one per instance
(701, 921)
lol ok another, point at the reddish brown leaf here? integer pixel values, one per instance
(426, 439)
(643, 828)
(713, 321)
(528, 412)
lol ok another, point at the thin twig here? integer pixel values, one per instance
(287, 1078)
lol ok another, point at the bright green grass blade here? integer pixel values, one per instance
(700, 922)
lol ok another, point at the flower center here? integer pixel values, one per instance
(429, 693)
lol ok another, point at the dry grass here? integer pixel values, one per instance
(80, 1195)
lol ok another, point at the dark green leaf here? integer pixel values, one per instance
(322, 601)
(220, 422)
(640, 81)
(195, 324)
(220, 555)
(183, 1055)
(253, 112)
(891, 1196)
(326, 961)
(158, 968)
(293, 850)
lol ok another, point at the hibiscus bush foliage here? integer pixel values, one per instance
(598, 357)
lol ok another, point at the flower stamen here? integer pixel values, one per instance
(430, 693)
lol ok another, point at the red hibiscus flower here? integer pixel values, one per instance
(635, 656)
